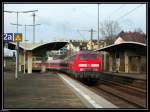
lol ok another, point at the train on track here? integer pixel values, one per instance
(83, 65)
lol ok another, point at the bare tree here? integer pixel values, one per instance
(139, 30)
(109, 30)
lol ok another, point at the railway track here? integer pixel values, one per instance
(136, 90)
(120, 103)
(131, 95)
(133, 83)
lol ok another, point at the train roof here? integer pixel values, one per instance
(55, 61)
(83, 52)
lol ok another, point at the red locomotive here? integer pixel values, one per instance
(85, 65)
(81, 65)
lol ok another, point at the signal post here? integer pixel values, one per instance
(17, 39)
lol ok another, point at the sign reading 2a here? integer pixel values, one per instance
(8, 37)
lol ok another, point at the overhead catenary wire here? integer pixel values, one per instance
(118, 9)
(81, 34)
(129, 12)
(125, 13)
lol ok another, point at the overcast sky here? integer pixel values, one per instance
(64, 20)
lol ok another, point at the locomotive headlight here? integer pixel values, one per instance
(82, 65)
(94, 65)
(82, 69)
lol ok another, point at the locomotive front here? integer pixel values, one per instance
(87, 65)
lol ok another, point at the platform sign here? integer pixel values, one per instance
(17, 37)
(8, 37)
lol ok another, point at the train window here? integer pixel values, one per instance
(83, 56)
(93, 56)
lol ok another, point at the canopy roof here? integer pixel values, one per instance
(132, 46)
(38, 48)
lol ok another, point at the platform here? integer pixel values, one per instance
(38, 91)
(90, 99)
(49, 90)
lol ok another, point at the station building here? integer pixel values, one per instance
(128, 54)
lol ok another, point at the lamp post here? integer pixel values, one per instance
(25, 56)
(98, 26)
(17, 45)
(34, 26)
(25, 51)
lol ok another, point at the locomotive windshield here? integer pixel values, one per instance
(93, 56)
(83, 56)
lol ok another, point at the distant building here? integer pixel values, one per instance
(73, 46)
(76, 45)
(99, 44)
(90, 45)
(50, 58)
(130, 36)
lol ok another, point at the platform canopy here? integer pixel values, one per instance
(132, 46)
(38, 48)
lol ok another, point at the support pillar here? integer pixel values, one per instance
(126, 62)
(117, 64)
(110, 63)
(4, 63)
(139, 64)
(104, 61)
(104, 67)
(21, 61)
(29, 62)
(101, 56)
(24, 62)
(43, 68)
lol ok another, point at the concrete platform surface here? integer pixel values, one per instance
(38, 91)
(90, 99)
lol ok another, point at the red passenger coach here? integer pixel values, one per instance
(56, 65)
(36, 65)
(85, 64)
